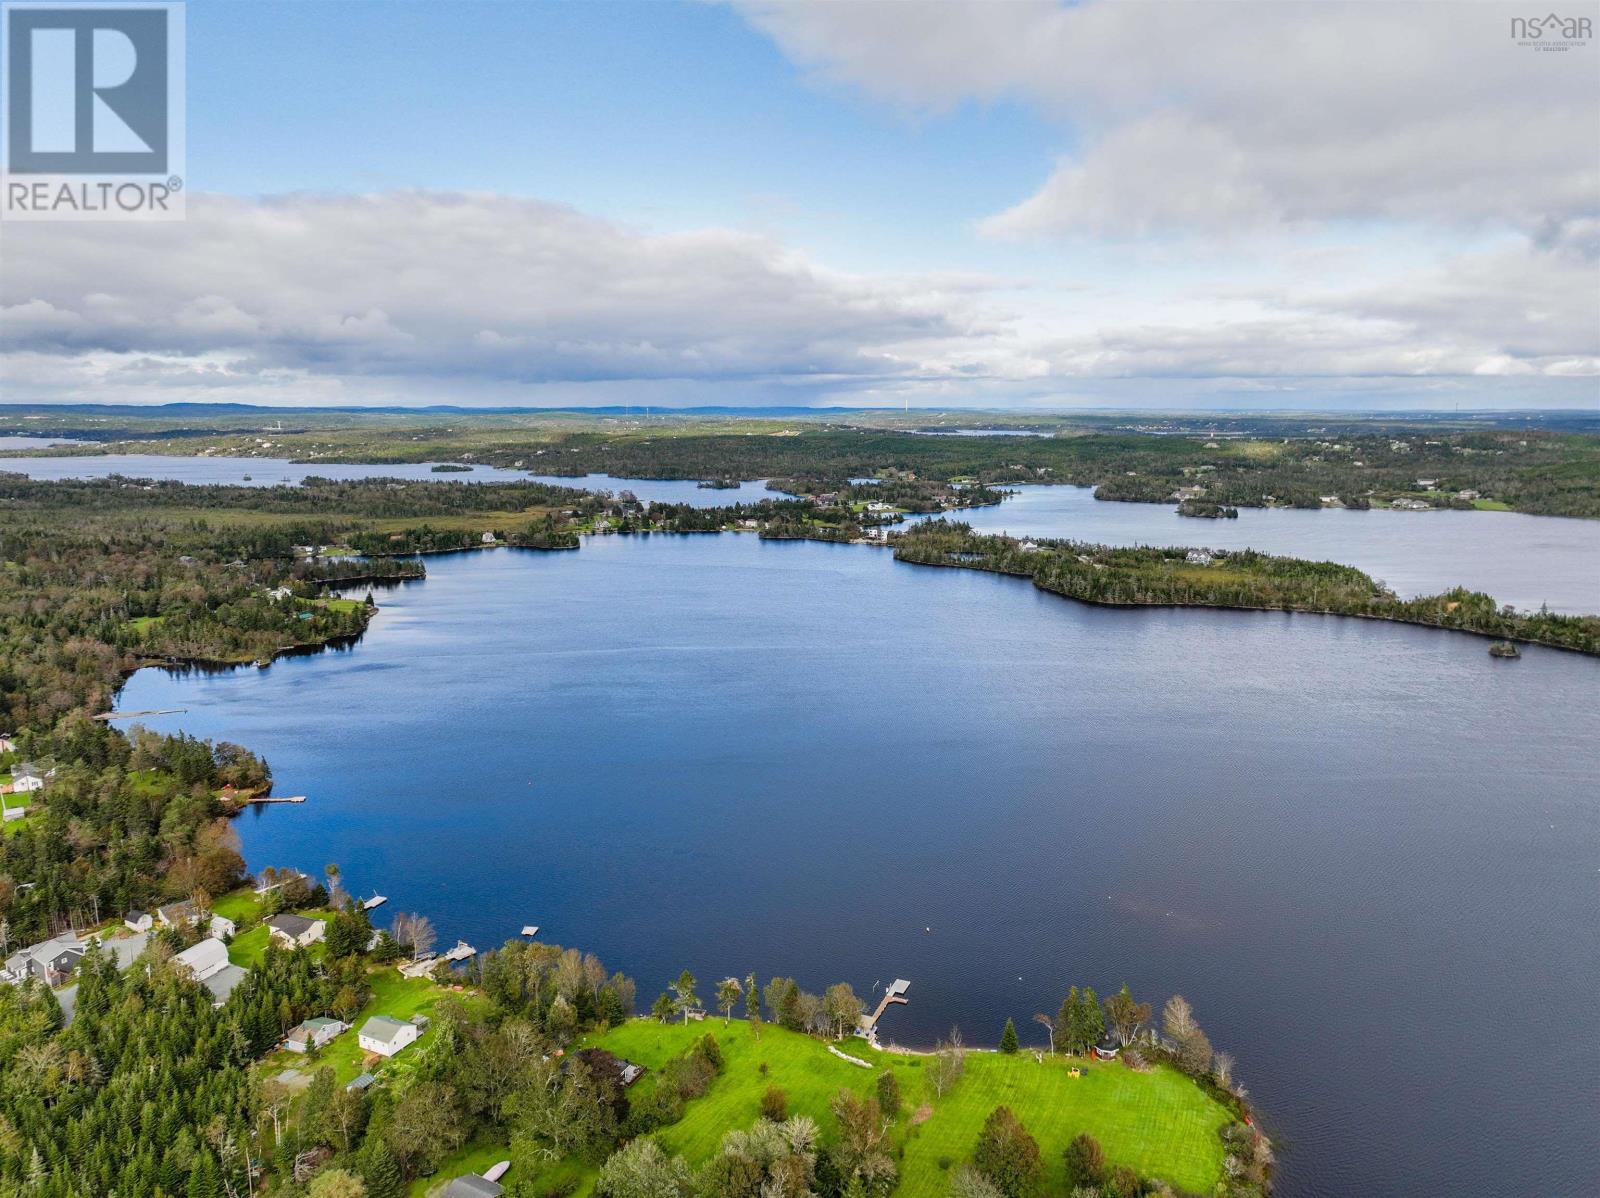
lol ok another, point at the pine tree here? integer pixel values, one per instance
(1008, 1038)
(380, 1170)
(1067, 1021)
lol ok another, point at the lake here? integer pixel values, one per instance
(1519, 559)
(1366, 853)
(1522, 560)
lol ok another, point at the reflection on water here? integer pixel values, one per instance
(1365, 852)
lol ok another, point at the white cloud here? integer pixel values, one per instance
(1215, 116)
(445, 298)
(467, 287)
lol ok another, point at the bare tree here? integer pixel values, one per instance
(1049, 1027)
(1222, 1068)
(949, 1062)
(422, 935)
(1177, 1019)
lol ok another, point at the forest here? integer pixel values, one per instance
(1241, 579)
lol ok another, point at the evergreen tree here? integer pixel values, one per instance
(1008, 1038)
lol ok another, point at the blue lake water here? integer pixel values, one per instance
(1366, 853)
(1522, 560)
(1519, 559)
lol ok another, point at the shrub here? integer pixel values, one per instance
(1007, 1155)
(889, 1093)
(774, 1105)
(1085, 1160)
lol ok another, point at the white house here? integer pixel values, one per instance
(27, 778)
(138, 921)
(1198, 557)
(296, 931)
(204, 960)
(313, 1033)
(222, 926)
(386, 1036)
(279, 593)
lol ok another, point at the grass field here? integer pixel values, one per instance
(247, 947)
(1159, 1123)
(399, 998)
(239, 905)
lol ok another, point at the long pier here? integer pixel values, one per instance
(133, 715)
(272, 799)
(894, 993)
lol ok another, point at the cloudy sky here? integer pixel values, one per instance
(1025, 204)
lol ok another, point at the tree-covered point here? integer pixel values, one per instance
(1242, 579)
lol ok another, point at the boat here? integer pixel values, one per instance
(1504, 649)
(247, 478)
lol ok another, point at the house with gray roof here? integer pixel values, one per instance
(296, 931)
(50, 961)
(472, 1186)
(386, 1036)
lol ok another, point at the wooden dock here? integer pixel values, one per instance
(272, 799)
(134, 715)
(895, 993)
(530, 929)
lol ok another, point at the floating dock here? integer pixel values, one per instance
(530, 929)
(376, 900)
(461, 952)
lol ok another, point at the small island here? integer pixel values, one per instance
(450, 468)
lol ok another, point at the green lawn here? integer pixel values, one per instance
(240, 906)
(1159, 1123)
(392, 995)
(247, 948)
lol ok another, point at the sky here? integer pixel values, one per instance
(1214, 203)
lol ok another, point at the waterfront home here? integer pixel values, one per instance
(138, 921)
(1109, 1046)
(386, 1036)
(487, 538)
(221, 926)
(49, 961)
(470, 1185)
(178, 915)
(296, 931)
(1198, 557)
(313, 1033)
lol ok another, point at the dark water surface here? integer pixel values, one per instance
(1366, 853)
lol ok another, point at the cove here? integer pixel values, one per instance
(1365, 852)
